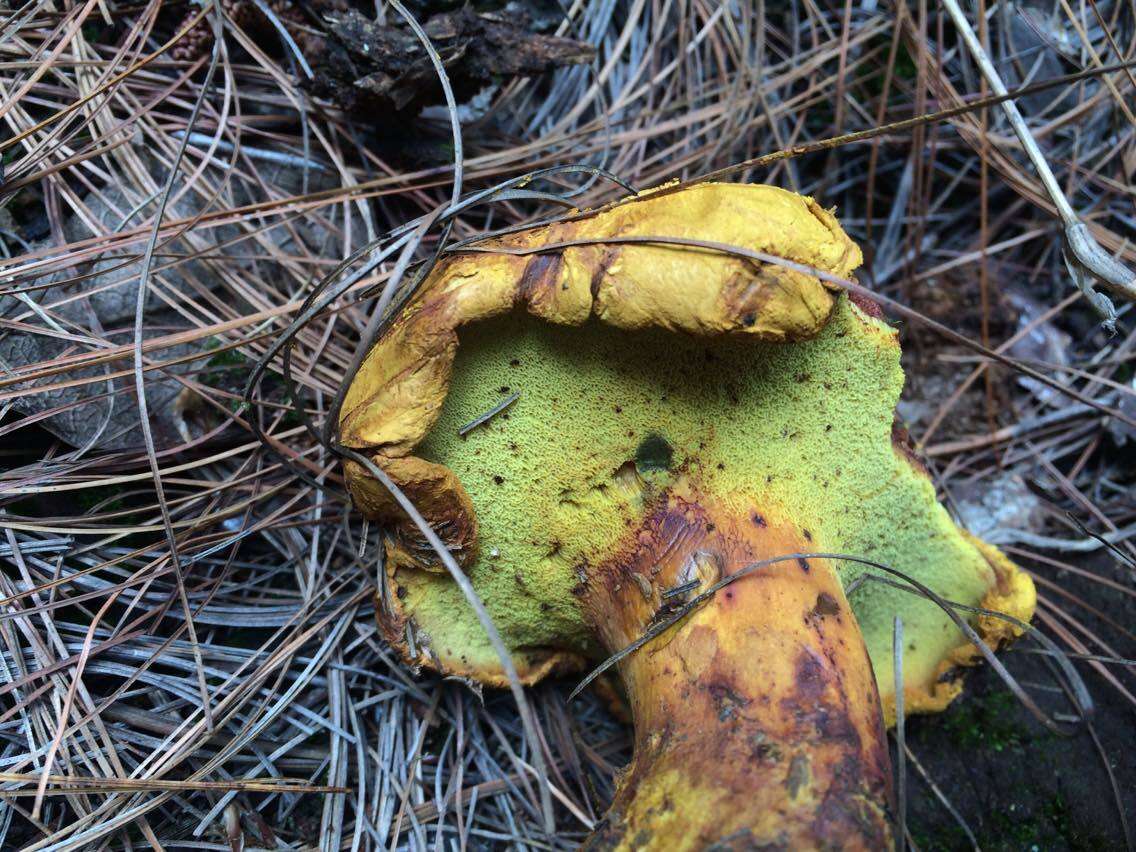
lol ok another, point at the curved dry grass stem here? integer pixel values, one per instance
(1090, 261)
(900, 737)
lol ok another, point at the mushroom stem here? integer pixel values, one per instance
(757, 719)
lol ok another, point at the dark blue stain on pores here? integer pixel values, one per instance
(654, 453)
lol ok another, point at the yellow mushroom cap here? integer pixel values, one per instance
(660, 371)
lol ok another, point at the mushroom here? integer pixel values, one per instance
(683, 413)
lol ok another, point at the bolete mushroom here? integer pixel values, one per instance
(683, 413)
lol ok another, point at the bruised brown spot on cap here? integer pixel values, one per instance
(869, 306)
(728, 702)
(835, 724)
(845, 810)
(540, 274)
(608, 258)
(744, 840)
(826, 605)
(437, 494)
(810, 676)
(644, 585)
(901, 440)
(798, 774)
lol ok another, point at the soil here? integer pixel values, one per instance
(1017, 785)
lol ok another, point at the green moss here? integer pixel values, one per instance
(800, 432)
(106, 499)
(1057, 812)
(948, 839)
(226, 358)
(987, 722)
(1016, 828)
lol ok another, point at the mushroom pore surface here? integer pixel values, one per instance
(609, 422)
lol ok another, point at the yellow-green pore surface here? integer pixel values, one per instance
(802, 431)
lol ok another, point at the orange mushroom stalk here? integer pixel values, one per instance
(683, 413)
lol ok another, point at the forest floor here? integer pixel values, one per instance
(204, 201)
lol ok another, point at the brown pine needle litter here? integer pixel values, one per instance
(61, 784)
(208, 211)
